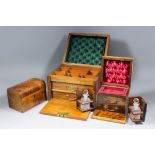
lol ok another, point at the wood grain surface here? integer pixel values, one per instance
(109, 116)
(67, 79)
(27, 94)
(64, 108)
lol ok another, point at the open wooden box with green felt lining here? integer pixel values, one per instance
(85, 49)
(80, 68)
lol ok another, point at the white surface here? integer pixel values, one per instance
(10, 118)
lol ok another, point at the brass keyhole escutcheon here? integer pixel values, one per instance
(116, 108)
(62, 114)
(105, 106)
(71, 88)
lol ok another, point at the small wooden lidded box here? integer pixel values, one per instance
(27, 94)
(81, 66)
(143, 108)
(112, 97)
(80, 69)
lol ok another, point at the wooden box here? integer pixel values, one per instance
(112, 97)
(143, 107)
(80, 68)
(27, 94)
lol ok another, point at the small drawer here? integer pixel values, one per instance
(116, 108)
(64, 86)
(63, 95)
(72, 88)
(112, 108)
(101, 98)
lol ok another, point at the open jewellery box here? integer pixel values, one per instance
(112, 97)
(80, 69)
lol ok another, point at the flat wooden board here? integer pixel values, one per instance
(109, 116)
(64, 108)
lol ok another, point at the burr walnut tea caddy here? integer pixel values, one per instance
(27, 94)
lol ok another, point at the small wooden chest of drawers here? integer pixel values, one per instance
(81, 66)
(80, 69)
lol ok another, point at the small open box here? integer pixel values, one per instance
(116, 73)
(81, 66)
(142, 105)
(80, 69)
(113, 95)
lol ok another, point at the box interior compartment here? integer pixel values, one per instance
(143, 105)
(86, 49)
(116, 72)
(141, 101)
(77, 71)
(114, 90)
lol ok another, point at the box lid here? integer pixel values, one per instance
(85, 49)
(27, 87)
(117, 71)
(64, 108)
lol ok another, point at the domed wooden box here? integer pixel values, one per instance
(27, 94)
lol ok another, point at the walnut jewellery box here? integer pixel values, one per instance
(80, 69)
(112, 97)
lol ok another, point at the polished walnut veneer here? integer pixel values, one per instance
(27, 94)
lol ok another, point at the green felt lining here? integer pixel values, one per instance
(86, 50)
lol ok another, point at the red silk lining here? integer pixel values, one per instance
(116, 72)
(113, 90)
